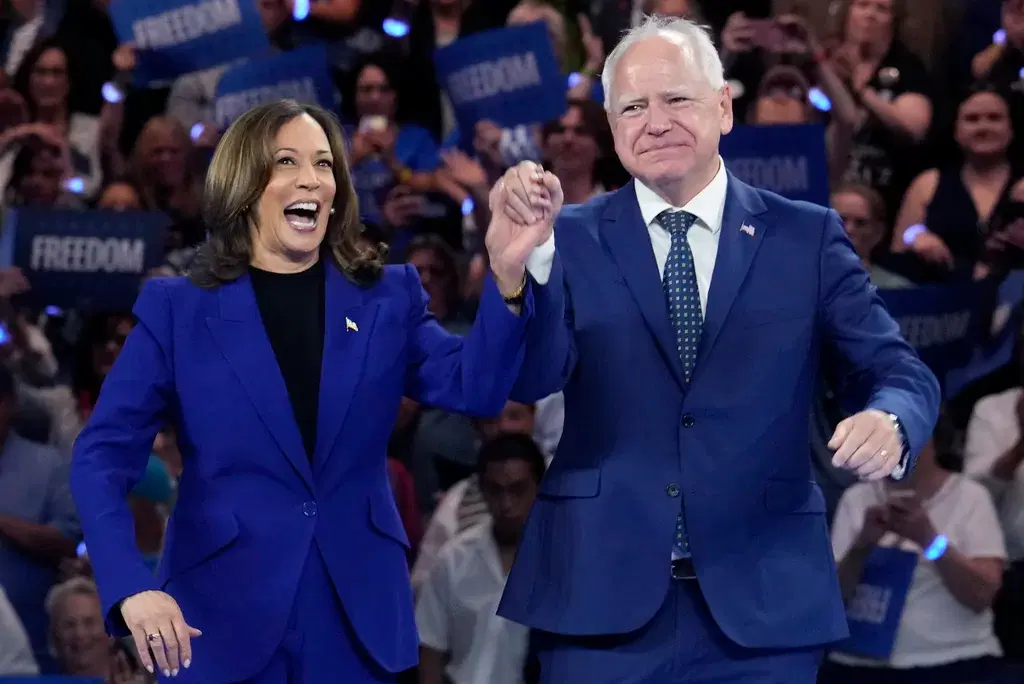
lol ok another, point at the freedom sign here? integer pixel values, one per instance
(787, 160)
(176, 37)
(300, 75)
(509, 76)
(89, 260)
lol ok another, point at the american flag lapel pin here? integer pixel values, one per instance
(350, 325)
(748, 229)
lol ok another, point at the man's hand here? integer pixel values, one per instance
(524, 204)
(867, 443)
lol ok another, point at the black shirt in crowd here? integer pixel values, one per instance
(292, 306)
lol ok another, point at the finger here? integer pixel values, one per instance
(520, 205)
(172, 647)
(869, 458)
(553, 187)
(854, 440)
(586, 30)
(526, 186)
(840, 434)
(156, 647)
(142, 648)
(889, 464)
(184, 634)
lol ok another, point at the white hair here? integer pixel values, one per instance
(694, 42)
(75, 586)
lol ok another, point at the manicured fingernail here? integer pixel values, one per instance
(167, 673)
(186, 663)
(150, 668)
(174, 672)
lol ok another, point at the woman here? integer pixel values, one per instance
(577, 148)
(863, 213)
(284, 546)
(948, 214)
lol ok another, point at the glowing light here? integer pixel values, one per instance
(396, 28)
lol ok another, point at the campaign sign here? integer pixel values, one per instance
(89, 260)
(788, 160)
(874, 612)
(300, 75)
(941, 322)
(509, 76)
(176, 37)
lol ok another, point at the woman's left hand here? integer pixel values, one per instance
(524, 204)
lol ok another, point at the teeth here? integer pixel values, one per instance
(308, 206)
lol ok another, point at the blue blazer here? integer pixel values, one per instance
(250, 504)
(733, 445)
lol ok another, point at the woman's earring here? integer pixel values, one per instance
(332, 210)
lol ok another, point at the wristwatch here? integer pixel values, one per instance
(900, 470)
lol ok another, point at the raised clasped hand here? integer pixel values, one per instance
(867, 443)
(524, 204)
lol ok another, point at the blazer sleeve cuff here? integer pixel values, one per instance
(134, 579)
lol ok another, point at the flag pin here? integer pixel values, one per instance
(748, 229)
(351, 325)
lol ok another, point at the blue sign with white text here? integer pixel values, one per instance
(176, 37)
(788, 160)
(941, 322)
(300, 75)
(873, 613)
(89, 260)
(509, 76)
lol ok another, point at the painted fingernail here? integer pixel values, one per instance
(167, 673)
(186, 663)
(150, 668)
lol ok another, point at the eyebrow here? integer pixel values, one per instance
(295, 151)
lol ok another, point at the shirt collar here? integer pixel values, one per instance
(708, 205)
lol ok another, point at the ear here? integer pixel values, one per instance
(725, 106)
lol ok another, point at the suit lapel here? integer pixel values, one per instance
(741, 237)
(627, 240)
(349, 324)
(243, 341)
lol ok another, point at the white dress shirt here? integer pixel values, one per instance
(708, 206)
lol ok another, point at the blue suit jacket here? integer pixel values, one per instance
(250, 503)
(734, 444)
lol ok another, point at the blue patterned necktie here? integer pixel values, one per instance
(683, 297)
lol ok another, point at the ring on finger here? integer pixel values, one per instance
(155, 636)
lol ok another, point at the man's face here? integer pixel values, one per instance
(665, 117)
(509, 488)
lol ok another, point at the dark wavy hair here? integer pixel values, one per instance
(239, 173)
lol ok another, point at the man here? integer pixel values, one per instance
(460, 635)
(38, 523)
(678, 536)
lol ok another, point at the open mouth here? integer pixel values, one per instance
(302, 215)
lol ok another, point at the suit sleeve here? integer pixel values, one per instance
(474, 374)
(874, 356)
(113, 449)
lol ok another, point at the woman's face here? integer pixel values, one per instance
(41, 186)
(861, 227)
(983, 125)
(48, 80)
(374, 95)
(869, 21)
(164, 155)
(571, 148)
(119, 197)
(106, 350)
(78, 634)
(291, 217)
(435, 281)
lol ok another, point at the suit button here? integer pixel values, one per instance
(309, 509)
(672, 490)
(688, 420)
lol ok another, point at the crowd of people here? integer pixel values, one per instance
(922, 105)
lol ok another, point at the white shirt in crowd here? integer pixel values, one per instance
(992, 431)
(456, 613)
(709, 208)
(15, 652)
(935, 628)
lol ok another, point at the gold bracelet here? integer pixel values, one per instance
(518, 294)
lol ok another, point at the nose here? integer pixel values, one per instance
(657, 121)
(307, 178)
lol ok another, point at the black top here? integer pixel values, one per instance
(292, 308)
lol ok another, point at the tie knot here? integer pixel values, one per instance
(676, 222)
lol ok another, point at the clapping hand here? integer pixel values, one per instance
(524, 204)
(867, 443)
(908, 518)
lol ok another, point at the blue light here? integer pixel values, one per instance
(197, 130)
(54, 311)
(574, 80)
(911, 233)
(936, 548)
(999, 37)
(81, 550)
(5, 336)
(396, 28)
(111, 93)
(75, 185)
(467, 206)
(301, 10)
(1021, 74)
(819, 100)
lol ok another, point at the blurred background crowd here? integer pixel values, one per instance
(921, 108)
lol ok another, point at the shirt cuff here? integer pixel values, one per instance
(541, 260)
